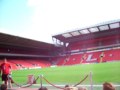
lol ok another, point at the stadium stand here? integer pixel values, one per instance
(92, 57)
(95, 44)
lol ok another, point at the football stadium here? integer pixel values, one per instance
(87, 57)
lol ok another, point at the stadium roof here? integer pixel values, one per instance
(10, 40)
(97, 31)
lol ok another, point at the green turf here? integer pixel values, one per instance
(101, 72)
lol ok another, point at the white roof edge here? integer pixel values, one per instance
(96, 25)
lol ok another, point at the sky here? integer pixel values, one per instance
(41, 19)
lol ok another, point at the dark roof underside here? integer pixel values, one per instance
(10, 40)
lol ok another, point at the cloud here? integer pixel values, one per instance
(59, 16)
(7, 31)
(51, 17)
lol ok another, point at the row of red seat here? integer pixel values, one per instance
(27, 63)
(91, 57)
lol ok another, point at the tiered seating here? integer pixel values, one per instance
(41, 63)
(28, 64)
(73, 59)
(14, 67)
(21, 63)
(92, 57)
(62, 61)
(111, 55)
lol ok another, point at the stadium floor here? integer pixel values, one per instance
(33, 88)
(30, 89)
(23, 89)
(96, 87)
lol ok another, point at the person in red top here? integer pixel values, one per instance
(5, 70)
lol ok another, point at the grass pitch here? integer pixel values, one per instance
(101, 72)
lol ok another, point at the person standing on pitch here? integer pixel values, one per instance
(5, 71)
